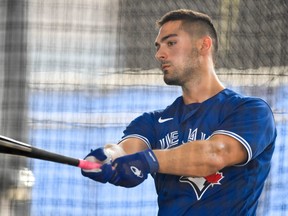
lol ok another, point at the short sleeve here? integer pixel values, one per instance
(251, 122)
(142, 128)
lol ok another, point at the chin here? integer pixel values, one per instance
(171, 82)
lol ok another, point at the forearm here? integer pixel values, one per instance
(201, 157)
(190, 159)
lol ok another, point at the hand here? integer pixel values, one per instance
(131, 170)
(106, 171)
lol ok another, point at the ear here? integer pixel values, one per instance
(206, 44)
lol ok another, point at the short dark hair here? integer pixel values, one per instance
(190, 16)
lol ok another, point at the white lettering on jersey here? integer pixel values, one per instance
(203, 136)
(192, 135)
(171, 139)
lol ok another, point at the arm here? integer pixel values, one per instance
(201, 157)
(197, 158)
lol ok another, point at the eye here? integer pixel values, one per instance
(171, 43)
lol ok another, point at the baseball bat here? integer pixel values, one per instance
(14, 147)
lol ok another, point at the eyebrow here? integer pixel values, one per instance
(165, 38)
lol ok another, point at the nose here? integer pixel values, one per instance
(160, 55)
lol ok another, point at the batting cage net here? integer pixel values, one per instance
(75, 73)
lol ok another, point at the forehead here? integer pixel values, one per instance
(171, 27)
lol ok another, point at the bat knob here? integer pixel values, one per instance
(88, 165)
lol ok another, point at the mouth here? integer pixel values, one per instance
(164, 67)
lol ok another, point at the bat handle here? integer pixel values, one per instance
(88, 165)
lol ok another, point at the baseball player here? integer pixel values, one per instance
(210, 151)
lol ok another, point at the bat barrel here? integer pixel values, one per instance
(13, 147)
(54, 157)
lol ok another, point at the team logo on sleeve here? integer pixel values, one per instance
(201, 184)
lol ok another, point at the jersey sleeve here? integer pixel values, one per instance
(251, 122)
(142, 128)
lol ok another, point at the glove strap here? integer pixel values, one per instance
(151, 160)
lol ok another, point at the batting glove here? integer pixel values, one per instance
(105, 173)
(132, 170)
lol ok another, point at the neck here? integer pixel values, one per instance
(202, 88)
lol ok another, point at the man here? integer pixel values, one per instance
(210, 150)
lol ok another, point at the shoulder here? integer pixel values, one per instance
(237, 100)
(244, 110)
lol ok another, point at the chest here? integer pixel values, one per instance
(184, 128)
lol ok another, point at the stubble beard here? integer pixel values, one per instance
(179, 76)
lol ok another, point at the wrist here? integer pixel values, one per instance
(151, 160)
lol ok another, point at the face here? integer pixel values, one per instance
(177, 53)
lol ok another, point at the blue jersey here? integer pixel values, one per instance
(231, 191)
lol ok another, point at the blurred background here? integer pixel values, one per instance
(73, 74)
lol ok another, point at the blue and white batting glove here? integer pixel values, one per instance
(132, 170)
(105, 173)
